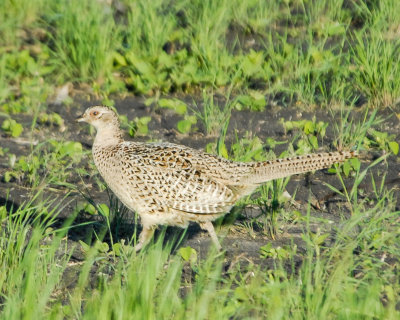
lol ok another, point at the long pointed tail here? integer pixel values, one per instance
(281, 168)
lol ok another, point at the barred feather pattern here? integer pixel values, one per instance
(173, 184)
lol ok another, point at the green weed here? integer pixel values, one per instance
(51, 161)
(12, 127)
(139, 126)
(310, 130)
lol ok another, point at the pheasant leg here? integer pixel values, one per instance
(210, 229)
(144, 237)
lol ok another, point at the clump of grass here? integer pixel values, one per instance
(376, 69)
(257, 17)
(214, 116)
(150, 26)
(18, 18)
(83, 39)
(208, 23)
(32, 259)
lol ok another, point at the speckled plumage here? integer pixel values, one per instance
(169, 184)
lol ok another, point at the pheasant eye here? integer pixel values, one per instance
(95, 113)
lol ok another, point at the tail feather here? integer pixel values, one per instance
(281, 168)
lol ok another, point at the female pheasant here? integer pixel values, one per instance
(169, 184)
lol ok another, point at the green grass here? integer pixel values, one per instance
(32, 258)
(82, 38)
(311, 53)
(18, 19)
(320, 53)
(229, 56)
(353, 277)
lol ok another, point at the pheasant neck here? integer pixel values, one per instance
(108, 136)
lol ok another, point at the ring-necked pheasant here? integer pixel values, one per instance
(169, 184)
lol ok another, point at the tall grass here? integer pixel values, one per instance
(150, 26)
(17, 20)
(376, 69)
(258, 16)
(309, 52)
(32, 260)
(214, 117)
(354, 276)
(4, 91)
(83, 39)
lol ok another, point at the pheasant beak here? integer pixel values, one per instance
(81, 118)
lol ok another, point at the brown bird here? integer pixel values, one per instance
(169, 184)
